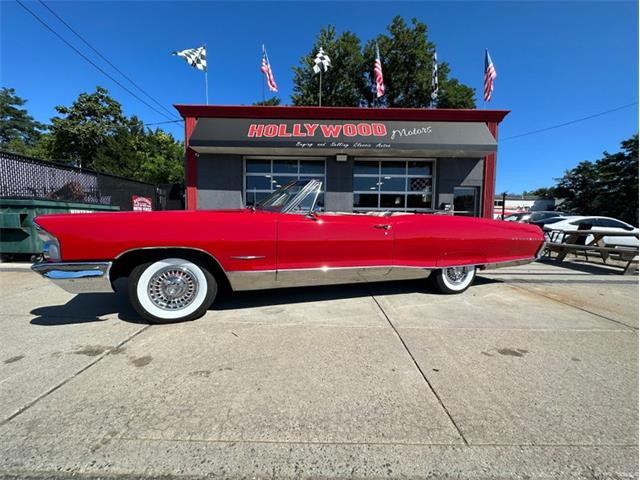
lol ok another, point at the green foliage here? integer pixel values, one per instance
(164, 160)
(607, 187)
(541, 192)
(272, 102)
(407, 62)
(84, 127)
(94, 133)
(343, 83)
(18, 129)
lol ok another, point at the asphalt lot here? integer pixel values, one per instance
(532, 373)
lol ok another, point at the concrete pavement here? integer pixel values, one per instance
(532, 373)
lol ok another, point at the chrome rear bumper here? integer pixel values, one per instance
(77, 277)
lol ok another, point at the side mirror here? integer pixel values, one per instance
(312, 216)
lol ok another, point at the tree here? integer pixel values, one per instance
(18, 129)
(93, 132)
(273, 101)
(542, 192)
(85, 126)
(407, 63)
(163, 159)
(343, 83)
(607, 187)
(96, 134)
(122, 152)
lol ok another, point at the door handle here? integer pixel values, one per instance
(384, 226)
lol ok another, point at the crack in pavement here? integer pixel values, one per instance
(548, 297)
(421, 371)
(71, 377)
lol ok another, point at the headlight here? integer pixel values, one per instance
(51, 246)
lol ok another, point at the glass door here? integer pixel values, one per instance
(466, 201)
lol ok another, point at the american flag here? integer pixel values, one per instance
(434, 78)
(266, 69)
(489, 76)
(196, 57)
(377, 70)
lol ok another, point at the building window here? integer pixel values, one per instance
(399, 185)
(264, 175)
(466, 201)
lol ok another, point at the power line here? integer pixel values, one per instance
(105, 59)
(162, 123)
(88, 60)
(571, 122)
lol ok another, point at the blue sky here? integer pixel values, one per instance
(556, 61)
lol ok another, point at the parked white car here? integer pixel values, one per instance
(597, 224)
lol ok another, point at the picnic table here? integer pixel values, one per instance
(564, 242)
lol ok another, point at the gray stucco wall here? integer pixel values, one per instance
(220, 181)
(338, 195)
(456, 172)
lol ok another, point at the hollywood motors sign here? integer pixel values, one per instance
(235, 134)
(327, 131)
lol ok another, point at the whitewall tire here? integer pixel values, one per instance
(454, 279)
(171, 290)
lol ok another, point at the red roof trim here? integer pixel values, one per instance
(342, 113)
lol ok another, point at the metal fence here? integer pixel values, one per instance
(26, 177)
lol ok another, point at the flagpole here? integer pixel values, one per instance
(484, 72)
(320, 90)
(264, 53)
(206, 79)
(206, 86)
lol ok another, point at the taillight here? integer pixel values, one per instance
(51, 245)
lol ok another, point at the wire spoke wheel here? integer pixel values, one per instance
(456, 275)
(454, 279)
(173, 288)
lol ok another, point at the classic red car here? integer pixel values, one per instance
(176, 260)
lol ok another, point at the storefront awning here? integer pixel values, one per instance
(324, 137)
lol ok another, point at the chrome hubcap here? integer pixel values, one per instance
(457, 275)
(173, 288)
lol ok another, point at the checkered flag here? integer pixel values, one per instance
(321, 62)
(196, 57)
(434, 78)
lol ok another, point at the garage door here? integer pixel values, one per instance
(393, 184)
(264, 175)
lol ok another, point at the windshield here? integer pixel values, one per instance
(297, 195)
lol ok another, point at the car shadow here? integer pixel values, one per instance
(88, 308)
(284, 296)
(92, 307)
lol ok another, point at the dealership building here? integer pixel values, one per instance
(368, 159)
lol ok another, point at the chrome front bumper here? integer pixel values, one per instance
(77, 277)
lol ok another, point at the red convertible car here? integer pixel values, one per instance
(175, 260)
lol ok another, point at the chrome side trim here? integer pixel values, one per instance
(247, 257)
(301, 277)
(77, 277)
(252, 280)
(508, 263)
(264, 279)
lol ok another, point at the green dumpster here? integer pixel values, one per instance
(18, 234)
